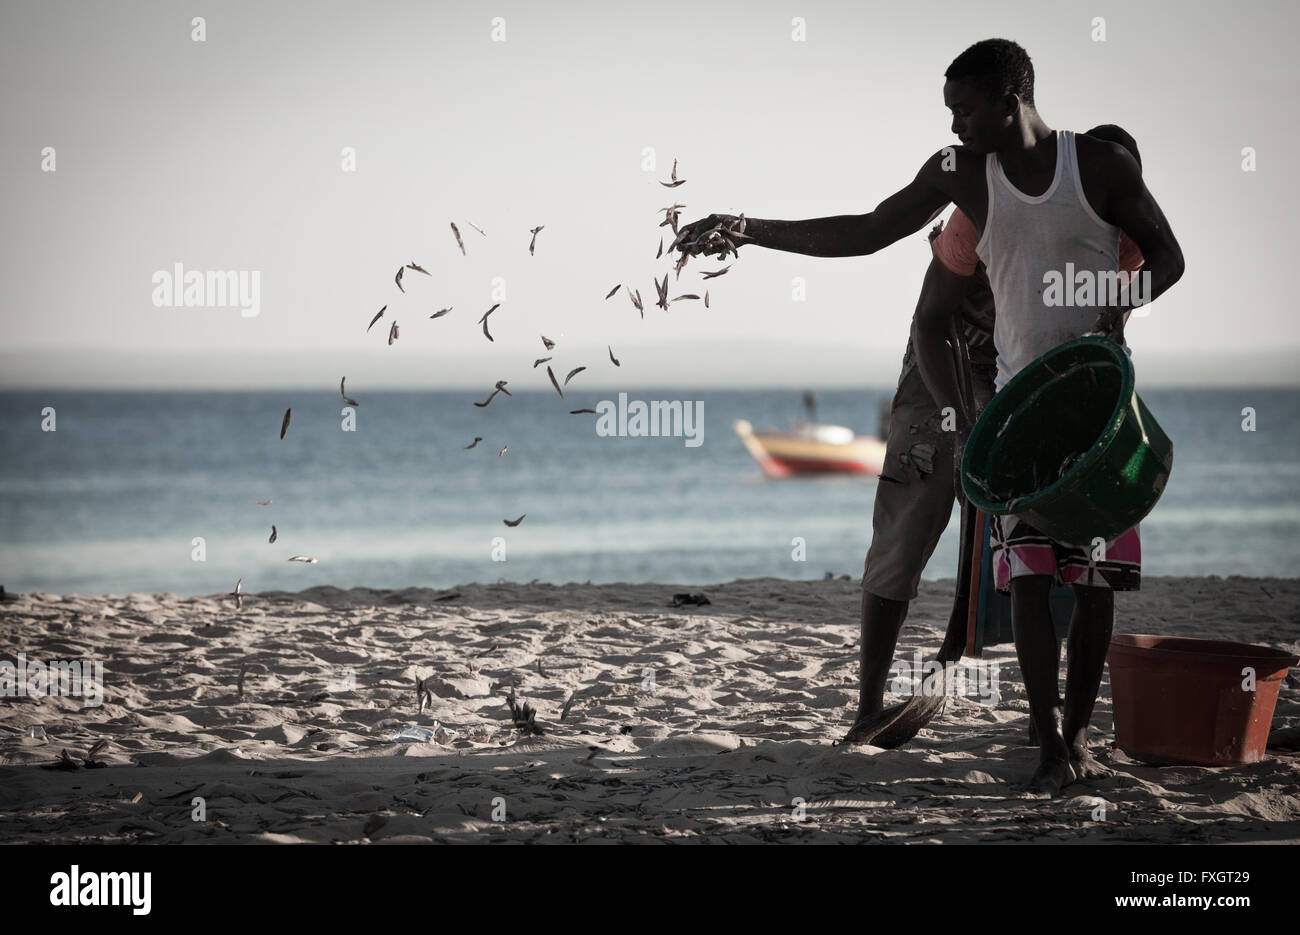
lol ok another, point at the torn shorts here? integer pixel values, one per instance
(915, 493)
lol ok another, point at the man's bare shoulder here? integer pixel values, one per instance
(1104, 157)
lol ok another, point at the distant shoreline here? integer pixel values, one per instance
(739, 366)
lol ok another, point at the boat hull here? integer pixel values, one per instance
(786, 454)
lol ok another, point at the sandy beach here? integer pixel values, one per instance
(709, 723)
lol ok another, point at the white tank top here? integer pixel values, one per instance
(1055, 235)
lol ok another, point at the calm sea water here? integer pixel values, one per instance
(112, 501)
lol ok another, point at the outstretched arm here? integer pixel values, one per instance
(902, 213)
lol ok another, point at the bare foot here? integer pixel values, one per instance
(1053, 775)
(1085, 767)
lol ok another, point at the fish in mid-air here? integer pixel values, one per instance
(541, 360)
(440, 312)
(716, 273)
(273, 534)
(378, 315)
(532, 243)
(675, 180)
(418, 268)
(393, 334)
(576, 412)
(612, 357)
(347, 399)
(398, 279)
(671, 214)
(573, 373)
(238, 594)
(303, 558)
(504, 449)
(554, 382)
(284, 424)
(515, 522)
(550, 345)
(477, 228)
(663, 293)
(612, 291)
(262, 502)
(681, 262)
(477, 439)
(460, 243)
(484, 322)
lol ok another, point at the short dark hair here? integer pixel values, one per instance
(1113, 134)
(997, 67)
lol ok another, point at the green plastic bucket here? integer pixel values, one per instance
(1069, 447)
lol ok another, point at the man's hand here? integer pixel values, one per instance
(716, 235)
(1109, 324)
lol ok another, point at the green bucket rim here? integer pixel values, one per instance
(992, 412)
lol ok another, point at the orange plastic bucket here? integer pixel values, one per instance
(1180, 700)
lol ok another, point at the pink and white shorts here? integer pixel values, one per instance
(1019, 549)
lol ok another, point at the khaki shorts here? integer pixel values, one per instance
(915, 494)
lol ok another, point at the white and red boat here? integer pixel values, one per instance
(812, 448)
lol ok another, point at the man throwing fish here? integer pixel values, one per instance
(1040, 199)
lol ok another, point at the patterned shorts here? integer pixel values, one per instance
(1019, 549)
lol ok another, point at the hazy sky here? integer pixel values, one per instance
(226, 155)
